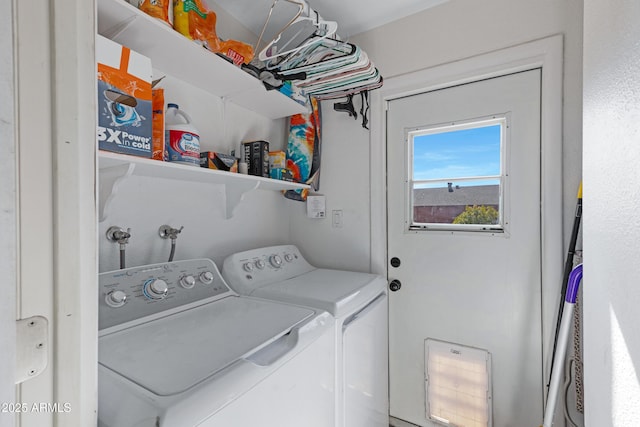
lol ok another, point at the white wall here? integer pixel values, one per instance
(144, 204)
(8, 216)
(35, 174)
(611, 206)
(460, 29)
(454, 30)
(344, 180)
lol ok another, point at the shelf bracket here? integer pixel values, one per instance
(234, 194)
(110, 179)
(113, 32)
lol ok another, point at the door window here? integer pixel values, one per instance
(457, 176)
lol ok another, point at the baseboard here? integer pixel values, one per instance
(395, 422)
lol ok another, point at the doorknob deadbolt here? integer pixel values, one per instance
(395, 285)
(395, 262)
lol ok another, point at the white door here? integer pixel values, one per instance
(464, 227)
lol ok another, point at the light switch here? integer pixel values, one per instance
(336, 218)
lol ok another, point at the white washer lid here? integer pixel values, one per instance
(172, 354)
(335, 291)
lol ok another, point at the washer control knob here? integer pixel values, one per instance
(275, 261)
(206, 277)
(116, 299)
(288, 257)
(248, 266)
(188, 281)
(260, 264)
(155, 289)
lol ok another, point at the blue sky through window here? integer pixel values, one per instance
(457, 154)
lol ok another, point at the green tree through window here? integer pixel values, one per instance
(477, 215)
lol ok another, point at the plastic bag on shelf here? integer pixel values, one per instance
(193, 20)
(159, 9)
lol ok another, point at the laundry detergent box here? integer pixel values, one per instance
(277, 159)
(124, 99)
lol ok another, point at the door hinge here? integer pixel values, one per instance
(32, 347)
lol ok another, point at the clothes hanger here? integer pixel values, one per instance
(321, 55)
(266, 22)
(296, 34)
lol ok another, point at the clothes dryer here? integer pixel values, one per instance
(358, 302)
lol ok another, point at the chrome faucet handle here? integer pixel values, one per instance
(168, 232)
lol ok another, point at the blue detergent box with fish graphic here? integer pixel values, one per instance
(124, 99)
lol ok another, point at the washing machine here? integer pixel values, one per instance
(357, 301)
(178, 348)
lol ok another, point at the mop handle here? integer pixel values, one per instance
(569, 302)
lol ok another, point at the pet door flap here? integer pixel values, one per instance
(458, 384)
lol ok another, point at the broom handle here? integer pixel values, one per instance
(567, 271)
(569, 302)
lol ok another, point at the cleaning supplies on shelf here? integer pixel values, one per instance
(182, 140)
(193, 20)
(124, 99)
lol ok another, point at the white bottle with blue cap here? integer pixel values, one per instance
(182, 139)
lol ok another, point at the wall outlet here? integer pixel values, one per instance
(336, 218)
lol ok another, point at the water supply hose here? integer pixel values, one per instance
(122, 257)
(173, 249)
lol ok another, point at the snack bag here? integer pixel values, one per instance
(157, 8)
(194, 21)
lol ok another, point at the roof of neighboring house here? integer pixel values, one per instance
(467, 196)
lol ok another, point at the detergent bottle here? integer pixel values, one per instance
(181, 138)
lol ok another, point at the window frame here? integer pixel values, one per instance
(502, 119)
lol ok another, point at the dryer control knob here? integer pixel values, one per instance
(275, 261)
(288, 257)
(206, 277)
(260, 264)
(248, 266)
(155, 289)
(116, 299)
(188, 281)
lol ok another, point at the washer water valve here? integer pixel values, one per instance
(168, 232)
(118, 235)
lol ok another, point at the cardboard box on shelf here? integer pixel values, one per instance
(124, 99)
(277, 159)
(219, 161)
(256, 155)
(157, 125)
(281, 174)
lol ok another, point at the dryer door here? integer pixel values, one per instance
(365, 360)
